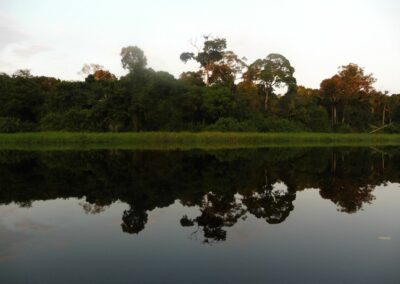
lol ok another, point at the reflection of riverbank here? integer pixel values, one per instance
(266, 180)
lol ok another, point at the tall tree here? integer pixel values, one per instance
(348, 85)
(133, 59)
(227, 69)
(330, 91)
(272, 72)
(356, 86)
(354, 81)
(216, 63)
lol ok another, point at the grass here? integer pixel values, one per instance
(187, 140)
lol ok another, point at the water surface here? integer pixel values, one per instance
(286, 215)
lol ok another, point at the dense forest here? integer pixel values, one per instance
(225, 94)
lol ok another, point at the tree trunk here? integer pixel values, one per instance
(334, 115)
(266, 101)
(343, 115)
(383, 115)
(206, 76)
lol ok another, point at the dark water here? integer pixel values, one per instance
(239, 216)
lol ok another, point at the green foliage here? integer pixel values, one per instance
(344, 128)
(12, 125)
(394, 128)
(217, 65)
(216, 98)
(274, 124)
(396, 113)
(133, 59)
(218, 102)
(316, 119)
(232, 125)
(52, 121)
(72, 120)
(9, 125)
(275, 71)
(305, 110)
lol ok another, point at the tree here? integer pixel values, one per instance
(96, 72)
(330, 90)
(226, 70)
(354, 81)
(209, 98)
(349, 84)
(380, 107)
(216, 63)
(272, 72)
(88, 69)
(133, 59)
(394, 108)
(219, 102)
(104, 75)
(192, 78)
(302, 105)
(356, 85)
(23, 73)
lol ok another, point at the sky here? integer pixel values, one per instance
(56, 37)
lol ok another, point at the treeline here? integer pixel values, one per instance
(225, 94)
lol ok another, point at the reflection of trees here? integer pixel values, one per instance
(266, 180)
(93, 208)
(217, 212)
(270, 203)
(351, 180)
(349, 199)
(134, 220)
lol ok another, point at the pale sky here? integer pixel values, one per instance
(56, 37)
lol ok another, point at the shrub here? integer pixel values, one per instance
(9, 125)
(72, 120)
(344, 128)
(318, 119)
(52, 121)
(275, 124)
(227, 124)
(394, 128)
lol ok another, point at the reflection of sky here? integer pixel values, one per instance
(57, 241)
(57, 37)
(10, 242)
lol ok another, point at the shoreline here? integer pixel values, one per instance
(189, 140)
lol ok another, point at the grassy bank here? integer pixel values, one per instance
(186, 140)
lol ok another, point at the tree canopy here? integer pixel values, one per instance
(133, 58)
(223, 94)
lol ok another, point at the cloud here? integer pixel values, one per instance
(27, 51)
(11, 36)
(10, 31)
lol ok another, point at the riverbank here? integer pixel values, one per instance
(187, 140)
